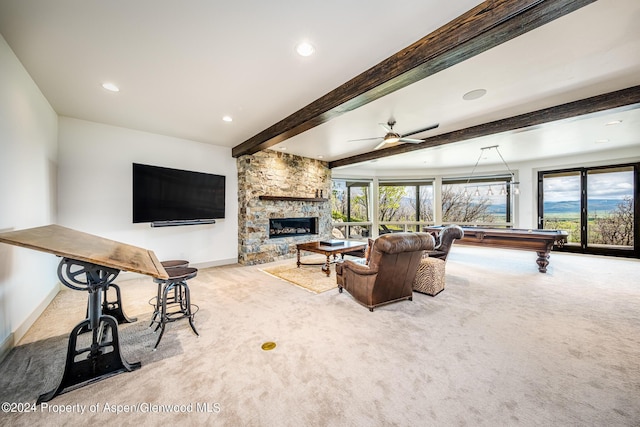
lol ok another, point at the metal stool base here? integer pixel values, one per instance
(173, 301)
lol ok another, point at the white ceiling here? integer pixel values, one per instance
(182, 66)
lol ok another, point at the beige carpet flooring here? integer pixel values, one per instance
(503, 345)
(308, 275)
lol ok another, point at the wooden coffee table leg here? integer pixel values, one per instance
(326, 265)
(298, 263)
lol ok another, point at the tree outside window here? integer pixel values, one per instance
(409, 205)
(404, 202)
(595, 205)
(350, 200)
(350, 204)
(476, 202)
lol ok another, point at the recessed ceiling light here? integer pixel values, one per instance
(474, 94)
(614, 122)
(227, 118)
(305, 49)
(321, 157)
(110, 87)
(601, 141)
(282, 148)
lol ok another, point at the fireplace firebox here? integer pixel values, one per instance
(285, 227)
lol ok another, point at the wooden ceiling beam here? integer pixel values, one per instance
(620, 100)
(487, 25)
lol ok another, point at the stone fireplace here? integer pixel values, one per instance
(277, 191)
(285, 227)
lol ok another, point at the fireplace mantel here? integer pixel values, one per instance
(293, 199)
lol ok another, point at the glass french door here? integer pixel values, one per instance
(598, 206)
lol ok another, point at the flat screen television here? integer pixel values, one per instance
(165, 195)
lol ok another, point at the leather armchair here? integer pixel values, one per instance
(445, 241)
(389, 275)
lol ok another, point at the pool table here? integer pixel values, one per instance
(540, 241)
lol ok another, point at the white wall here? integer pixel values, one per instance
(89, 189)
(28, 168)
(95, 189)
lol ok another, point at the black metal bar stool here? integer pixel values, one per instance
(173, 301)
(155, 301)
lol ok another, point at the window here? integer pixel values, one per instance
(350, 204)
(479, 201)
(561, 203)
(404, 205)
(597, 206)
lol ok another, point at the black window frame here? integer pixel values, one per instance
(506, 180)
(583, 246)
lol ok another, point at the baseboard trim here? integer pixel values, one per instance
(22, 329)
(6, 347)
(217, 263)
(14, 337)
(127, 275)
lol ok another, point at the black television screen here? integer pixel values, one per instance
(164, 194)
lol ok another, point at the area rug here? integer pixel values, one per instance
(309, 277)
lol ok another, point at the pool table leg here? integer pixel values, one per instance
(543, 261)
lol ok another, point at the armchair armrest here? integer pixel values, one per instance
(357, 268)
(434, 254)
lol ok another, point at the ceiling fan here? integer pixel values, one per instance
(394, 137)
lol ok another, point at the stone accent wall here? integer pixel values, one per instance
(273, 173)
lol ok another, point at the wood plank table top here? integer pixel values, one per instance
(69, 243)
(318, 247)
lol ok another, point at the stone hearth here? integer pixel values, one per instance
(272, 173)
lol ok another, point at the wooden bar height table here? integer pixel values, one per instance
(89, 263)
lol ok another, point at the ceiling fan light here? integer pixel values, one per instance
(391, 137)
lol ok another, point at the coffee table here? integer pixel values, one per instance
(337, 247)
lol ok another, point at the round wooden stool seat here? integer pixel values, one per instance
(175, 263)
(178, 274)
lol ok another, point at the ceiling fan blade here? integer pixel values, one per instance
(411, 141)
(421, 130)
(365, 139)
(385, 127)
(380, 145)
